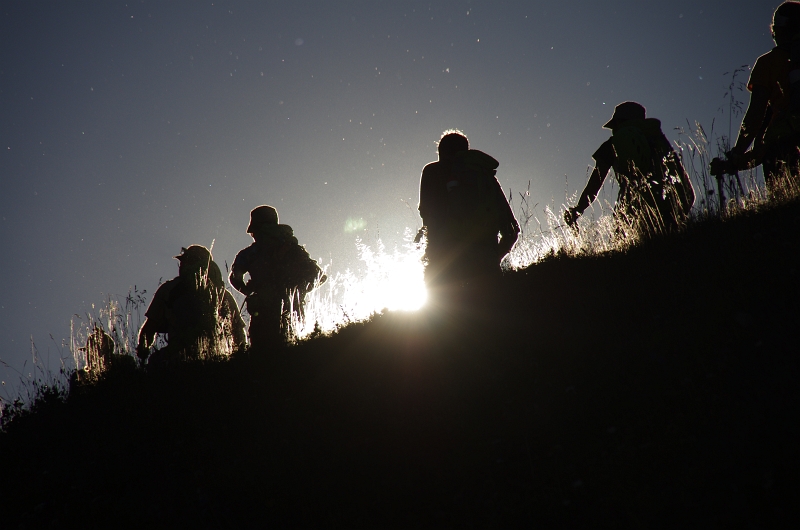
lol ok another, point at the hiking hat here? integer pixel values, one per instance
(194, 253)
(262, 215)
(629, 110)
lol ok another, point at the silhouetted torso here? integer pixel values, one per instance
(281, 273)
(463, 209)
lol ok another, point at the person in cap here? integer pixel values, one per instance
(467, 221)
(771, 123)
(196, 312)
(655, 193)
(281, 274)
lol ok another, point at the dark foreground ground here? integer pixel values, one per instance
(652, 389)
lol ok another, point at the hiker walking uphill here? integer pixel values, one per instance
(281, 274)
(463, 211)
(772, 121)
(199, 316)
(655, 193)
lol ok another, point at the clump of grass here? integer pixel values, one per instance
(598, 231)
(119, 319)
(388, 279)
(43, 388)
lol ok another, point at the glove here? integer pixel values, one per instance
(719, 167)
(732, 164)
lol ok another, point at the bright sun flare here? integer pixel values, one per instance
(392, 281)
(386, 280)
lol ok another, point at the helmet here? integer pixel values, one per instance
(262, 215)
(629, 110)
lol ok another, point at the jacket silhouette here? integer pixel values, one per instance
(655, 193)
(467, 220)
(281, 274)
(195, 311)
(771, 124)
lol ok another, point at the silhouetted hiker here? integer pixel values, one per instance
(281, 274)
(772, 121)
(99, 350)
(463, 210)
(100, 356)
(655, 193)
(195, 310)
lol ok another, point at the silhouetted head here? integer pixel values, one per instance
(192, 258)
(785, 23)
(196, 259)
(99, 342)
(452, 142)
(194, 254)
(629, 110)
(261, 217)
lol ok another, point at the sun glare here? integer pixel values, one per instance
(392, 281)
(385, 280)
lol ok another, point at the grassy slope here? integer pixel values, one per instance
(655, 388)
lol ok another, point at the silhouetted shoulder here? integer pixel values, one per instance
(771, 74)
(161, 297)
(605, 154)
(245, 256)
(474, 157)
(431, 167)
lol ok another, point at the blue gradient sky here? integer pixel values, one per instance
(130, 129)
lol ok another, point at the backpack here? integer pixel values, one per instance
(632, 150)
(471, 202)
(650, 172)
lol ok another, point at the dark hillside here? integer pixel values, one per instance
(651, 389)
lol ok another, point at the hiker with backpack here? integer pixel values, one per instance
(197, 313)
(281, 274)
(467, 220)
(771, 123)
(655, 192)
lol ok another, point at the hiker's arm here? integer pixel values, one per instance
(430, 194)
(508, 238)
(236, 277)
(155, 320)
(590, 192)
(509, 227)
(752, 122)
(312, 273)
(146, 336)
(592, 188)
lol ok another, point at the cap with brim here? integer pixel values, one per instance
(260, 216)
(194, 251)
(629, 110)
